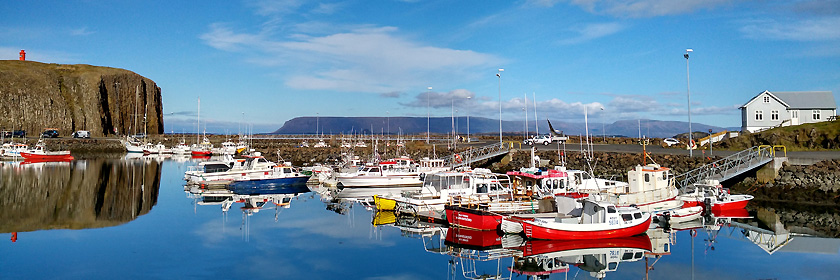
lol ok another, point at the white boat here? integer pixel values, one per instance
(12, 150)
(398, 172)
(227, 170)
(676, 216)
(321, 144)
(361, 144)
(597, 220)
(132, 145)
(651, 188)
(440, 188)
(202, 149)
(158, 148)
(181, 149)
(227, 148)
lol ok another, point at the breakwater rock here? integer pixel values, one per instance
(102, 100)
(813, 184)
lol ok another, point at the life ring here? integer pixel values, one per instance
(693, 145)
(458, 158)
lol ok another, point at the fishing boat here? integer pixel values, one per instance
(204, 148)
(40, 153)
(397, 172)
(560, 181)
(227, 148)
(181, 149)
(711, 192)
(12, 150)
(597, 220)
(441, 188)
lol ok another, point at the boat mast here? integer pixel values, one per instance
(198, 123)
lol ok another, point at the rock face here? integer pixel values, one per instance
(103, 100)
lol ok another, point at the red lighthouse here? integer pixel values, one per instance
(22, 55)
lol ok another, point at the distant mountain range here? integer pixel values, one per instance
(477, 125)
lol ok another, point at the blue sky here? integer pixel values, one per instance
(267, 61)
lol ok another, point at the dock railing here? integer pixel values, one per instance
(475, 154)
(730, 166)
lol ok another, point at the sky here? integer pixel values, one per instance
(263, 62)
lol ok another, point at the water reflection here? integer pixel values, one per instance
(76, 194)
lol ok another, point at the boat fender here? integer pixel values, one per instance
(422, 176)
(634, 205)
(693, 233)
(458, 158)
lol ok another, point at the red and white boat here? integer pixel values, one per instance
(39, 153)
(597, 220)
(712, 192)
(598, 256)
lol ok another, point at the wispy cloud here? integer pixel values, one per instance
(592, 31)
(365, 59)
(811, 29)
(391, 94)
(83, 31)
(644, 8)
(459, 98)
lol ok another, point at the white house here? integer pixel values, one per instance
(772, 109)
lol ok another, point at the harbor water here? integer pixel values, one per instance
(134, 218)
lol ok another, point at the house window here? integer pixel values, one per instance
(759, 115)
(816, 114)
(774, 115)
(794, 114)
(767, 99)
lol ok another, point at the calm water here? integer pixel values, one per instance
(133, 219)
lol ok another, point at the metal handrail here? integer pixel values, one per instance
(472, 155)
(723, 166)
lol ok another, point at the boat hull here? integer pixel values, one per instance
(563, 231)
(384, 204)
(275, 183)
(736, 202)
(473, 239)
(471, 218)
(380, 182)
(54, 156)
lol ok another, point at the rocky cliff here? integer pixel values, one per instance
(102, 100)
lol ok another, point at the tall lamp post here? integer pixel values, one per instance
(468, 118)
(688, 85)
(428, 105)
(499, 74)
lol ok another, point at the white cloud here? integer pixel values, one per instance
(81, 32)
(592, 31)
(645, 8)
(364, 59)
(812, 29)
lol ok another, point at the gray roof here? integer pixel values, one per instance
(807, 99)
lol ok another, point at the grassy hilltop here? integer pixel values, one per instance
(806, 137)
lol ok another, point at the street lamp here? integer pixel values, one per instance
(468, 118)
(499, 74)
(428, 105)
(688, 85)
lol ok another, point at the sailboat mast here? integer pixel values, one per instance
(198, 122)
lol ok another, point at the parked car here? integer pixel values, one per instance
(19, 133)
(670, 141)
(51, 133)
(81, 134)
(7, 134)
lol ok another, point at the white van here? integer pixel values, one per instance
(81, 134)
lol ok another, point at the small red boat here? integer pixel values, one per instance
(597, 220)
(40, 154)
(460, 216)
(712, 192)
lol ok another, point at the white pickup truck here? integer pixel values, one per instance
(545, 140)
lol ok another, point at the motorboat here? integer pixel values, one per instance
(397, 172)
(560, 181)
(676, 216)
(202, 149)
(441, 188)
(227, 148)
(40, 153)
(181, 149)
(228, 169)
(280, 176)
(597, 219)
(711, 192)
(132, 145)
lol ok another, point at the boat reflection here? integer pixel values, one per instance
(597, 256)
(254, 199)
(76, 194)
